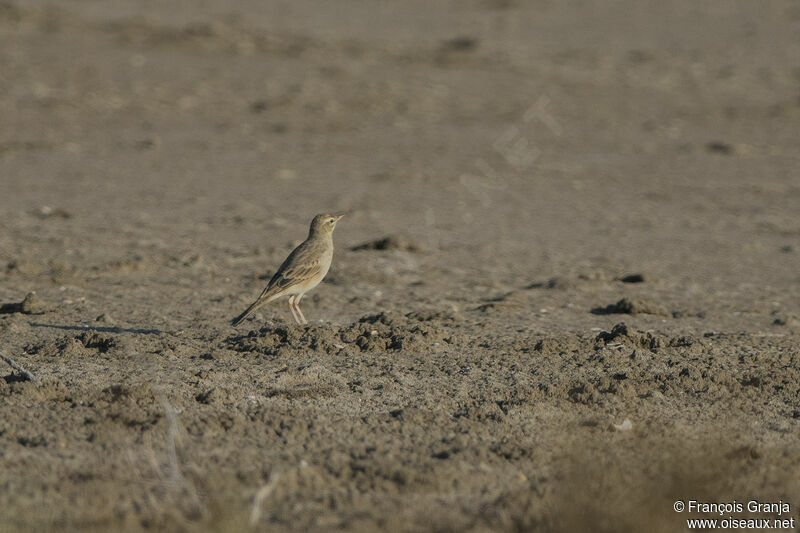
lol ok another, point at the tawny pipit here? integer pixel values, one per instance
(301, 271)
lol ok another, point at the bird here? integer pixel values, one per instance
(301, 271)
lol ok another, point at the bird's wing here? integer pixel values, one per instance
(302, 265)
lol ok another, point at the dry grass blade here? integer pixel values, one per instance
(176, 479)
(27, 375)
(261, 495)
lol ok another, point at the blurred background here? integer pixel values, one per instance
(533, 134)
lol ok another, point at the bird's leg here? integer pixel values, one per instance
(291, 308)
(297, 306)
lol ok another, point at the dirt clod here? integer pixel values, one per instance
(632, 307)
(31, 305)
(395, 241)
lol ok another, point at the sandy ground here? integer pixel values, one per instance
(594, 312)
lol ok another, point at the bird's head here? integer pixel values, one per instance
(324, 224)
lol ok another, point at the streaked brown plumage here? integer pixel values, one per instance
(301, 271)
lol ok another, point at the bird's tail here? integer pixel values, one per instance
(264, 299)
(238, 320)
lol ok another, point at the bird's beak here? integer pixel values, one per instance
(339, 216)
